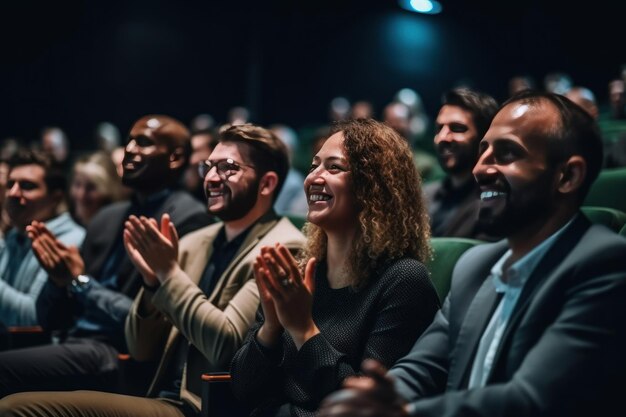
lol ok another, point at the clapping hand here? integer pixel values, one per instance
(152, 247)
(62, 263)
(286, 296)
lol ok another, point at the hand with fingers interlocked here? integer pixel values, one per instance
(372, 394)
(62, 263)
(286, 296)
(152, 247)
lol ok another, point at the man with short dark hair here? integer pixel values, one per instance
(198, 301)
(202, 144)
(534, 325)
(453, 202)
(88, 295)
(36, 190)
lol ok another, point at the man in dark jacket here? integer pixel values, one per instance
(87, 297)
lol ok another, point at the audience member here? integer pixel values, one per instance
(292, 199)
(557, 82)
(35, 191)
(398, 116)
(202, 144)
(95, 184)
(107, 137)
(54, 142)
(534, 325)
(362, 109)
(360, 289)
(519, 83)
(87, 297)
(454, 201)
(338, 109)
(585, 98)
(242, 177)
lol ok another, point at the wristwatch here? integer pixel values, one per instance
(80, 284)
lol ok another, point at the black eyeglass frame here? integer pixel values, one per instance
(227, 165)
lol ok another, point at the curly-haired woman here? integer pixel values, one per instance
(360, 289)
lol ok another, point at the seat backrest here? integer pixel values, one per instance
(609, 190)
(446, 251)
(623, 231)
(612, 218)
(297, 221)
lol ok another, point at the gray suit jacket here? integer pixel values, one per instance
(562, 353)
(179, 312)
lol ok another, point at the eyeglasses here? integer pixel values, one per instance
(225, 167)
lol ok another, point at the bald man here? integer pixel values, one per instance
(88, 295)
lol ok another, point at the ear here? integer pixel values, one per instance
(268, 183)
(572, 175)
(177, 158)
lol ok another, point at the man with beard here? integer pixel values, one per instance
(35, 191)
(88, 295)
(194, 313)
(533, 325)
(453, 202)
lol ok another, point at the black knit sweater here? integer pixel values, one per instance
(381, 321)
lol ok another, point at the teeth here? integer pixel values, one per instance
(319, 197)
(486, 195)
(215, 193)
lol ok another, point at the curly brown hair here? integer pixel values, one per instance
(393, 221)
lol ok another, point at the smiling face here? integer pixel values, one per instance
(518, 185)
(233, 193)
(27, 196)
(86, 196)
(328, 187)
(146, 162)
(456, 138)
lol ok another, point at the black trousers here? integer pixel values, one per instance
(76, 363)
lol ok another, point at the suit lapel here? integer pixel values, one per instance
(551, 260)
(476, 319)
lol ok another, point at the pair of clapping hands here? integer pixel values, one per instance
(286, 296)
(152, 248)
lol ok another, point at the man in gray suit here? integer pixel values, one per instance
(534, 325)
(198, 297)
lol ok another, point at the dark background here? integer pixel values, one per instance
(77, 63)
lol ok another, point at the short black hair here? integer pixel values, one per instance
(482, 106)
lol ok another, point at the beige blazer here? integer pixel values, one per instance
(179, 312)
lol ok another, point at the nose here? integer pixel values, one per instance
(485, 166)
(131, 146)
(212, 176)
(443, 135)
(15, 190)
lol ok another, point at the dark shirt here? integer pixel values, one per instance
(223, 254)
(446, 203)
(380, 321)
(94, 322)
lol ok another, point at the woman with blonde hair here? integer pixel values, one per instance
(359, 290)
(95, 183)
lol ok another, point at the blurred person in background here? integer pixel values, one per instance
(202, 144)
(95, 183)
(292, 199)
(54, 142)
(454, 201)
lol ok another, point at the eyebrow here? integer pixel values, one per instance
(332, 158)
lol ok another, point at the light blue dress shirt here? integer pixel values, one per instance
(516, 277)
